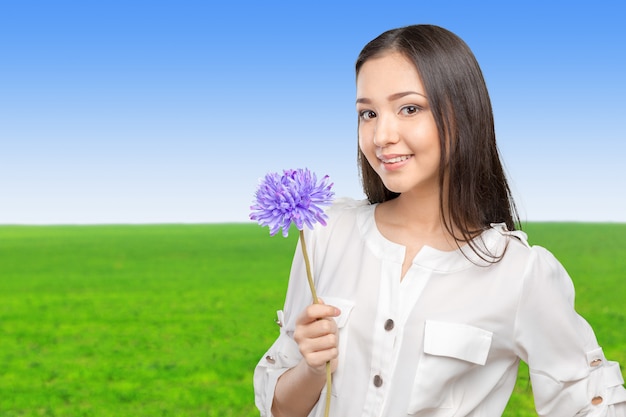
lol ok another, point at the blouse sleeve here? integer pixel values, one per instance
(569, 374)
(284, 353)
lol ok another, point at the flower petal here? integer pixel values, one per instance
(293, 197)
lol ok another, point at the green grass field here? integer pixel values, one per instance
(169, 320)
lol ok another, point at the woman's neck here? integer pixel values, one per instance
(414, 222)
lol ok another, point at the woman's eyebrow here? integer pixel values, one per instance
(392, 97)
(403, 94)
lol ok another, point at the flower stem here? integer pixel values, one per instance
(309, 276)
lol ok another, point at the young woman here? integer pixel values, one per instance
(431, 297)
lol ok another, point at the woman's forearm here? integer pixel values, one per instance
(297, 391)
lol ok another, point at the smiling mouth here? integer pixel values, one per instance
(395, 159)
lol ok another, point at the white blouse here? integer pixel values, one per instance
(445, 340)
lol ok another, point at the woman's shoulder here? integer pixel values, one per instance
(347, 203)
(341, 217)
(345, 209)
(516, 245)
(535, 263)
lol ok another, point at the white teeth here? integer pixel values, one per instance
(396, 159)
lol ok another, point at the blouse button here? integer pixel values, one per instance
(597, 400)
(389, 325)
(378, 381)
(270, 360)
(596, 362)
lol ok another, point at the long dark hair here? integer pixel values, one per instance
(477, 190)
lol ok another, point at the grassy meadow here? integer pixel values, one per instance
(169, 320)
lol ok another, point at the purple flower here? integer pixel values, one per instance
(295, 196)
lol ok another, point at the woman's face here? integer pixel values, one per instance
(397, 131)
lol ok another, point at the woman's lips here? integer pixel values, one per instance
(392, 159)
(391, 162)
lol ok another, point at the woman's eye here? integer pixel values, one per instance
(408, 110)
(367, 114)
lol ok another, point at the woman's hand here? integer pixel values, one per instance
(317, 336)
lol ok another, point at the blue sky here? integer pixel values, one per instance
(170, 111)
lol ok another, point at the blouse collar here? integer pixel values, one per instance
(492, 241)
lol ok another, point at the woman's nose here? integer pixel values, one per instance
(386, 131)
